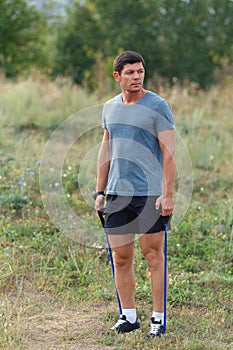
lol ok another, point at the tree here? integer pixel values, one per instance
(192, 34)
(186, 39)
(22, 39)
(78, 41)
(95, 27)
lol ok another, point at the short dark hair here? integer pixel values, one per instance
(125, 58)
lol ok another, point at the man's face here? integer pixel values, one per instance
(131, 77)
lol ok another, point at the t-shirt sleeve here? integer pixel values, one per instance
(164, 117)
(103, 123)
(109, 108)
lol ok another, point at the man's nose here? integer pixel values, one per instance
(136, 75)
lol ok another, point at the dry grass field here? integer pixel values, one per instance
(58, 294)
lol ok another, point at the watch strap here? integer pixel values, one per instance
(96, 194)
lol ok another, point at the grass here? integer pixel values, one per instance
(52, 287)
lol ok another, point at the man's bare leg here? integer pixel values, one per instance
(152, 248)
(123, 251)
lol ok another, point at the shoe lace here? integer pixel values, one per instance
(154, 328)
(120, 322)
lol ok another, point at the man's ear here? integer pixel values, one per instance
(116, 76)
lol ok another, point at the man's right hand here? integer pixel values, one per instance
(99, 202)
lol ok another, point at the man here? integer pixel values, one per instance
(136, 167)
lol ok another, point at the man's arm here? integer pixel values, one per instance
(103, 165)
(167, 144)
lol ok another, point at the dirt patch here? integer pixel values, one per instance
(38, 322)
(62, 329)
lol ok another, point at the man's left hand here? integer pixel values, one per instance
(167, 204)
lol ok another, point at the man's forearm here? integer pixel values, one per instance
(166, 201)
(169, 174)
(102, 176)
(167, 145)
(103, 164)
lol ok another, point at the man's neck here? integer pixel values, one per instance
(132, 97)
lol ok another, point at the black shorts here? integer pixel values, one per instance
(134, 215)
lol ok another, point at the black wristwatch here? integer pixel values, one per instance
(96, 194)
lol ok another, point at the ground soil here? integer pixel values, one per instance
(41, 322)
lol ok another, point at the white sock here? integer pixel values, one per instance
(130, 314)
(158, 316)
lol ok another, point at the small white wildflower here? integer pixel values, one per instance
(211, 11)
(163, 11)
(56, 184)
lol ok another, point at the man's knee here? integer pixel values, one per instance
(122, 260)
(154, 258)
